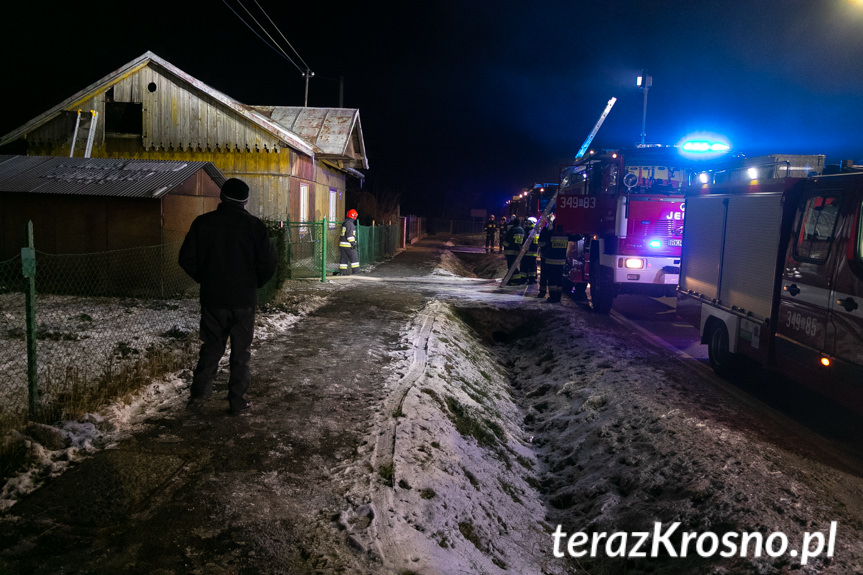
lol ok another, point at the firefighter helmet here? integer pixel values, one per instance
(352, 214)
(491, 217)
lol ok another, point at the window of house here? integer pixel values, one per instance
(304, 208)
(333, 204)
(124, 119)
(816, 229)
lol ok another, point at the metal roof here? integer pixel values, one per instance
(98, 176)
(328, 129)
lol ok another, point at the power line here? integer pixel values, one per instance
(282, 35)
(278, 50)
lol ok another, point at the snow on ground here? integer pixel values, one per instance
(51, 449)
(506, 418)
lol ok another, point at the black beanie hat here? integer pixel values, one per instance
(235, 190)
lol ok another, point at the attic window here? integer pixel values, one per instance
(151, 87)
(124, 118)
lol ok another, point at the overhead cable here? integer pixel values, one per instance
(273, 46)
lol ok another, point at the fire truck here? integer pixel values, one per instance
(623, 211)
(772, 271)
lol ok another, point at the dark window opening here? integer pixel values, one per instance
(151, 87)
(124, 118)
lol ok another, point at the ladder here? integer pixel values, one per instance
(85, 132)
(551, 203)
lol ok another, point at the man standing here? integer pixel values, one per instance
(348, 253)
(512, 247)
(501, 233)
(528, 263)
(229, 253)
(490, 230)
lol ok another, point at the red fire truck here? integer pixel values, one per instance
(773, 271)
(623, 211)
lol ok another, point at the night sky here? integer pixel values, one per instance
(471, 101)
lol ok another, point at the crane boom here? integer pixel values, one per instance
(599, 122)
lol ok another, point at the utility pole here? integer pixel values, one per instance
(644, 82)
(307, 74)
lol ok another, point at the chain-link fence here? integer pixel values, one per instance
(301, 245)
(103, 324)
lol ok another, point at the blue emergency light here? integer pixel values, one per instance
(655, 244)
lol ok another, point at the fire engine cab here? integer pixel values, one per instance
(623, 211)
(772, 270)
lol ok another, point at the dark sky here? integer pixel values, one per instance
(471, 101)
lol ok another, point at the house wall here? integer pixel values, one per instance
(178, 124)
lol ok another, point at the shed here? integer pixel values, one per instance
(88, 205)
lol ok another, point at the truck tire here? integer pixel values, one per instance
(601, 283)
(723, 362)
(602, 292)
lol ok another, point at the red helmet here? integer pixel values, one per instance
(352, 214)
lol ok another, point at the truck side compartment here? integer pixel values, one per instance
(772, 270)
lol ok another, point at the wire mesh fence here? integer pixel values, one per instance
(104, 324)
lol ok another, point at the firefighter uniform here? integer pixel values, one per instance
(512, 247)
(554, 260)
(544, 246)
(490, 231)
(501, 233)
(348, 252)
(528, 262)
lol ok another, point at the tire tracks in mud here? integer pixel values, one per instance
(383, 455)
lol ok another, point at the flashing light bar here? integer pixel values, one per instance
(698, 146)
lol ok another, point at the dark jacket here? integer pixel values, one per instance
(348, 237)
(228, 252)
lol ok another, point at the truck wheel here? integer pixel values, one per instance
(579, 292)
(602, 292)
(721, 359)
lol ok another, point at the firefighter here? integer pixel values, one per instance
(501, 233)
(528, 262)
(490, 231)
(554, 259)
(511, 248)
(544, 247)
(350, 256)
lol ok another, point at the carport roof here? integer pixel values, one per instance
(98, 176)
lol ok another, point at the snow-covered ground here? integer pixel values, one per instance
(507, 421)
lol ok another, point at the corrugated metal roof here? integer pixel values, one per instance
(329, 129)
(98, 176)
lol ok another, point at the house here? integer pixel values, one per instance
(128, 217)
(296, 160)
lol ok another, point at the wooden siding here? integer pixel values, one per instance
(179, 124)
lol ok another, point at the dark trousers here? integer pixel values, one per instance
(553, 274)
(349, 259)
(489, 242)
(217, 325)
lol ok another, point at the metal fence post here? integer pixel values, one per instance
(28, 270)
(324, 249)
